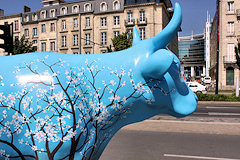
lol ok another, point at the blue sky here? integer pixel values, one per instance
(194, 12)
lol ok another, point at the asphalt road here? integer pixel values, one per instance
(147, 145)
(232, 111)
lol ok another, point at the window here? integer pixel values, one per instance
(52, 46)
(43, 46)
(142, 33)
(87, 21)
(43, 13)
(87, 39)
(103, 38)
(130, 31)
(34, 41)
(87, 52)
(34, 32)
(130, 16)
(87, 7)
(75, 9)
(230, 52)
(16, 25)
(116, 5)
(43, 28)
(64, 24)
(52, 13)
(116, 20)
(64, 10)
(75, 23)
(142, 15)
(52, 27)
(26, 33)
(64, 41)
(230, 28)
(103, 21)
(231, 7)
(103, 7)
(35, 17)
(116, 33)
(75, 40)
(26, 18)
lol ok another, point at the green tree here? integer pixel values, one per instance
(121, 42)
(23, 46)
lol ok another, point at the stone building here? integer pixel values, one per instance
(228, 30)
(87, 27)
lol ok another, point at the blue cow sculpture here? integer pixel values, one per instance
(60, 106)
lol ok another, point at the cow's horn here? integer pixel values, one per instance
(170, 31)
(136, 37)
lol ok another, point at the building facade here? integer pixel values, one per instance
(191, 55)
(87, 27)
(226, 33)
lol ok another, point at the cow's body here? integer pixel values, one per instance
(59, 106)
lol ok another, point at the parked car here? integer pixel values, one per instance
(197, 87)
(207, 80)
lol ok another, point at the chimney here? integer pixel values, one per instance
(26, 9)
(1, 12)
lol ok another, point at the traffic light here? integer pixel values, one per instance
(7, 36)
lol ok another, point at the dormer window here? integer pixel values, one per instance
(43, 14)
(64, 10)
(87, 7)
(75, 9)
(26, 18)
(35, 17)
(116, 5)
(52, 13)
(103, 6)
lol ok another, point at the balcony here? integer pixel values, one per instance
(129, 23)
(142, 21)
(230, 34)
(230, 59)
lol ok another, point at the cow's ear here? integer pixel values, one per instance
(136, 37)
(157, 64)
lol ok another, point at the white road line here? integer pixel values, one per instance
(196, 157)
(223, 114)
(214, 107)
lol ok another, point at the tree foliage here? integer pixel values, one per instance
(23, 46)
(237, 51)
(122, 41)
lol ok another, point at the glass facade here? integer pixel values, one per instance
(192, 54)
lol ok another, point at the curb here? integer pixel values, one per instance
(218, 103)
(186, 127)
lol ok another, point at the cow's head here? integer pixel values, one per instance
(171, 95)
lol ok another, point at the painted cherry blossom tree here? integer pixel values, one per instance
(69, 111)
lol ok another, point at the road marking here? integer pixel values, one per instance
(223, 114)
(196, 157)
(214, 107)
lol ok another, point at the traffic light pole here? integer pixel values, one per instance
(7, 37)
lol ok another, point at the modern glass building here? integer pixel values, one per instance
(192, 55)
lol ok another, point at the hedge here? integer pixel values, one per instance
(216, 97)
